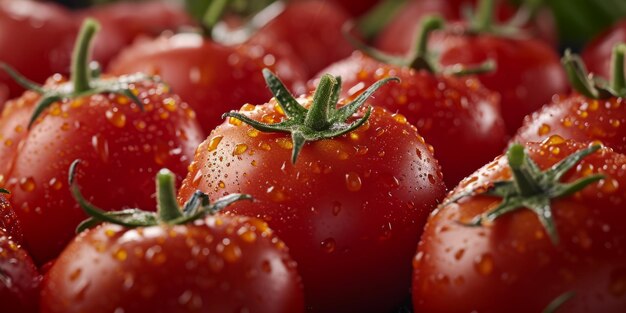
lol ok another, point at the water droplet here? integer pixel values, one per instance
(169, 104)
(544, 129)
(553, 140)
(120, 254)
(285, 143)
(276, 194)
(336, 208)
(240, 148)
(75, 274)
(266, 266)
(459, 254)
(55, 183)
(431, 179)
(353, 181)
(27, 184)
(608, 185)
(247, 235)
(221, 184)
(214, 142)
(101, 146)
(253, 133)
(328, 245)
(484, 264)
(234, 121)
(115, 117)
(615, 123)
(230, 252)
(399, 118)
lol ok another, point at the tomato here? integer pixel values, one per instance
(356, 7)
(311, 29)
(568, 250)
(590, 114)
(124, 22)
(211, 77)
(440, 105)
(353, 203)
(173, 261)
(95, 120)
(19, 279)
(51, 31)
(50, 34)
(398, 36)
(597, 53)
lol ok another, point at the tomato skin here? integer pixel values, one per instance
(19, 279)
(343, 211)
(220, 264)
(124, 22)
(498, 268)
(121, 147)
(9, 223)
(355, 7)
(597, 53)
(211, 77)
(50, 35)
(578, 118)
(311, 29)
(441, 107)
(528, 72)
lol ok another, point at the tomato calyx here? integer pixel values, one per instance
(85, 80)
(595, 87)
(558, 302)
(209, 14)
(323, 120)
(168, 211)
(532, 188)
(420, 58)
(482, 20)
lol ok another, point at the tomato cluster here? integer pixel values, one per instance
(302, 153)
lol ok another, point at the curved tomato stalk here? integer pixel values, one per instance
(85, 80)
(532, 188)
(168, 211)
(323, 120)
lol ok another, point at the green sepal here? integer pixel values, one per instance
(85, 79)
(595, 87)
(421, 58)
(322, 121)
(5, 191)
(558, 302)
(531, 188)
(168, 212)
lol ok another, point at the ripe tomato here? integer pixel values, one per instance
(311, 29)
(121, 145)
(513, 259)
(173, 261)
(440, 105)
(351, 205)
(40, 37)
(213, 78)
(587, 115)
(597, 54)
(356, 7)
(124, 22)
(19, 279)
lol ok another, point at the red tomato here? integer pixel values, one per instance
(312, 30)
(440, 106)
(121, 145)
(582, 116)
(19, 279)
(40, 37)
(197, 264)
(398, 36)
(597, 54)
(123, 22)
(528, 72)
(356, 7)
(508, 262)
(349, 206)
(213, 78)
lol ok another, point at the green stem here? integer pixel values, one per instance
(81, 73)
(483, 20)
(377, 18)
(167, 206)
(419, 59)
(577, 75)
(213, 15)
(618, 77)
(523, 179)
(317, 116)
